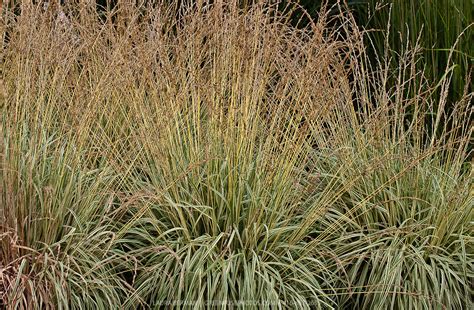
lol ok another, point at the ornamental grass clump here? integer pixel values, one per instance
(214, 155)
(405, 226)
(57, 195)
(225, 207)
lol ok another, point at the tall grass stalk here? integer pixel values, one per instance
(444, 29)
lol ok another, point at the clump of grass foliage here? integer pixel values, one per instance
(163, 155)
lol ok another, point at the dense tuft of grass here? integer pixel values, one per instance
(215, 156)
